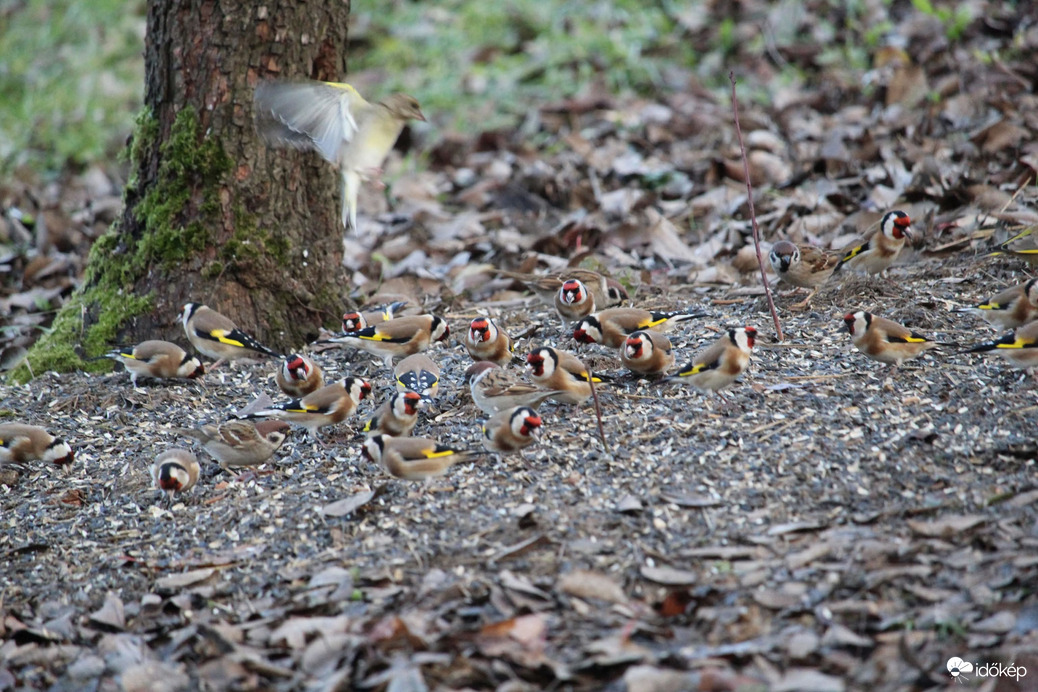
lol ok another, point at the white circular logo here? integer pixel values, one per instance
(956, 666)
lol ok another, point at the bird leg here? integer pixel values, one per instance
(374, 176)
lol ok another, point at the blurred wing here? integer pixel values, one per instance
(310, 115)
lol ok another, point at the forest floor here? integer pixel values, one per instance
(832, 524)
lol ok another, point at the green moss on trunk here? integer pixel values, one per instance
(169, 227)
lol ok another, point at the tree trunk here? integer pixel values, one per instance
(211, 214)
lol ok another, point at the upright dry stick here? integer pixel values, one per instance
(753, 215)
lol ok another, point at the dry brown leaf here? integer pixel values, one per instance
(946, 527)
(669, 576)
(586, 584)
(172, 582)
(348, 505)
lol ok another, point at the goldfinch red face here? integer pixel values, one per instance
(856, 322)
(634, 347)
(536, 362)
(572, 292)
(587, 331)
(298, 369)
(439, 330)
(353, 322)
(410, 401)
(480, 330)
(897, 224)
(172, 478)
(527, 423)
(358, 388)
(746, 338)
(59, 452)
(190, 367)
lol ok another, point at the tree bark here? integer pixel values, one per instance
(211, 215)
(273, 259)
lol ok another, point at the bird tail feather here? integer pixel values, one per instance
(350, 190)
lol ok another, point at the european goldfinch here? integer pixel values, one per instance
(495, 389)
(218, 337)
(1023, 246)
(158, 359)
(1019, 347)
(512, 429)
(20, 443)
(175, 471)
(336, 122)
(611, 327)
(299, 376)
(413, 458)
(607, 292)
(397, 417)
(721, 363)
(238, 443)
(418, 373)
(329, 405)
(573, 301)
(354, 321)
(875, 252)
(403, 336)
(562, 371)
(885, 340)
(803, 266)
(486, 341)
(1011, 308)
(647, 353)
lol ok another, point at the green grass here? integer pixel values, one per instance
(480, 65)
(71, 80)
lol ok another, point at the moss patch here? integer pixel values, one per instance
(191, 171)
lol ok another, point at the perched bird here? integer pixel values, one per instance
(647, 353)
(239, 442)
(885, 340)
(413, 458)
(175, 471)
(611, 327)
(336, 122)
(495, 389)
(803, 266)
(1019, 347)
(875, 252)
(158, 359)
(299, 376)
(573, 301)
(216, 336)
(607, 292)
(486, 341)
(561, 371)
(403, 336)
(418, 373)
(396, 417)
(20, 443)
(329, 405)
(1011, 308)
(721, 363)
(355, 321)
(512, 429)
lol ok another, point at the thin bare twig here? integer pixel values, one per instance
(753, 214)
(598, 411)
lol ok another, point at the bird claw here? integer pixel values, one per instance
(374, 177)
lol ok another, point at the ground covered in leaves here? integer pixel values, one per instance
(835, 525)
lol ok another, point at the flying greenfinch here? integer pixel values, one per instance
(334, 120)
